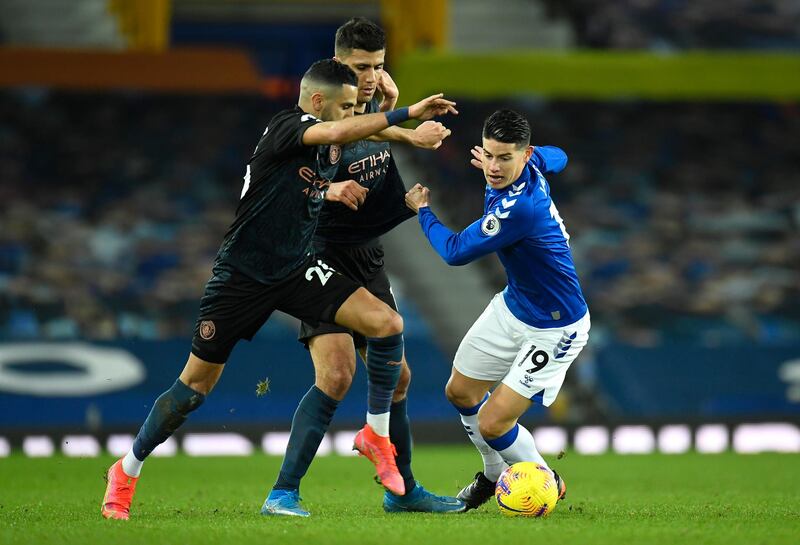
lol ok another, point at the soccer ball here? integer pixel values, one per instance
(526, 489)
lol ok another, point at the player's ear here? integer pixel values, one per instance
(528, 153)
(318, 101)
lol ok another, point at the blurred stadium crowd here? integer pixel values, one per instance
(683, 24)
(113, 207)
(684, 216)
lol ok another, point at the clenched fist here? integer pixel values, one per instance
(417, 197)
(350, 193)
(430, 134)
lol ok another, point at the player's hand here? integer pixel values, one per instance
(477, 157)
(350, 193)
(388, 88)
(430, 134)
(431, 107)
(417, 197)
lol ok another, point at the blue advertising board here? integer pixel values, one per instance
(113, 385)
(701, 383)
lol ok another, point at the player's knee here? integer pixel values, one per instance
(388, 323)
(336, 380)
(458, 397)
(203, 385)
(401, 391)
(336, 385)
(394, 323)
(490, 427)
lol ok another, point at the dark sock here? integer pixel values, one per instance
(384, 357)
(168, 413)
(310, 422)
(400, 435)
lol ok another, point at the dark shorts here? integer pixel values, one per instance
(364, 265)
(235, 306)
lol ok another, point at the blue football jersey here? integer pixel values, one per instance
(521, 223)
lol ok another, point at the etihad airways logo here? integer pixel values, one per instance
(317, 185)
(370, 167)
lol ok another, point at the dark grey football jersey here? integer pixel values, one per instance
(370, 164)
(283, 193)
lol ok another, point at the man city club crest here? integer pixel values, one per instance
(334, 153)
(490, 225)
(207, 330)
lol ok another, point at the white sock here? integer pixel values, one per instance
(131, 465)
(523, 449)
(493, 463)
(379, 423)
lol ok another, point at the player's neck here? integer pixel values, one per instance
(360, 108)
(308, 108)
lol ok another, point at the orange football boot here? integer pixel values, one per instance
(381, 452)
(119, 493)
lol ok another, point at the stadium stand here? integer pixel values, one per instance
(683, 24)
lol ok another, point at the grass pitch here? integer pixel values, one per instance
(611, 499)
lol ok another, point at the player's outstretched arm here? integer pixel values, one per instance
(484, 236)
(359, 127)
(428, 135)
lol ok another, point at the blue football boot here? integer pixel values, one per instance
(284, 502)
(421, 501)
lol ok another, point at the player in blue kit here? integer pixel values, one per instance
(530, 333)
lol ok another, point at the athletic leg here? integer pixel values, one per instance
(468, 396)
(334, 365)
(400, 426)
(333, 355)
(382, 327)
(498, 424)
(169, 411)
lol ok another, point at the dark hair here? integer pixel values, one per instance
(360, 33)
(509, 127)
(331, 72)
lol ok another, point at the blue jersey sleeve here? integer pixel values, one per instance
(549, 159)
(484, 236)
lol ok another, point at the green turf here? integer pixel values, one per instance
(612, 499)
